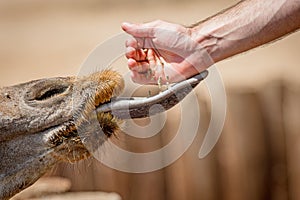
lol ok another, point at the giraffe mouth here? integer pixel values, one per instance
(109, 112)
(139, 107)
(84, 124)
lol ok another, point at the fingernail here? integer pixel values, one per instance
(126, 24)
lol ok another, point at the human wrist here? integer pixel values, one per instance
(219, 38)
(208, 43)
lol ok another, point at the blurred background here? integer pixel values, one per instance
(257, 156)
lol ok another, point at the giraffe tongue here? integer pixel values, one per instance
(139, 107)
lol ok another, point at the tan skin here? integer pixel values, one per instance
(172, 52)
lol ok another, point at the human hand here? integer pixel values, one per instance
(162, 52)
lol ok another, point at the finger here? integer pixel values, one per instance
(131, 53)
(141, 67)
(131, 63)
(132, 42)
(138, 30)
(139, 55)
(137, 42)
(152, 59)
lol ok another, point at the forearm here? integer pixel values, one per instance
(248, 24)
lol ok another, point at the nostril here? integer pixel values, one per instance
(41, 92)
(51, 92)
(7, 95)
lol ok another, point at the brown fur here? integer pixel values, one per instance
(46, 121)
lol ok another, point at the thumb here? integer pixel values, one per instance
(138, 30)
